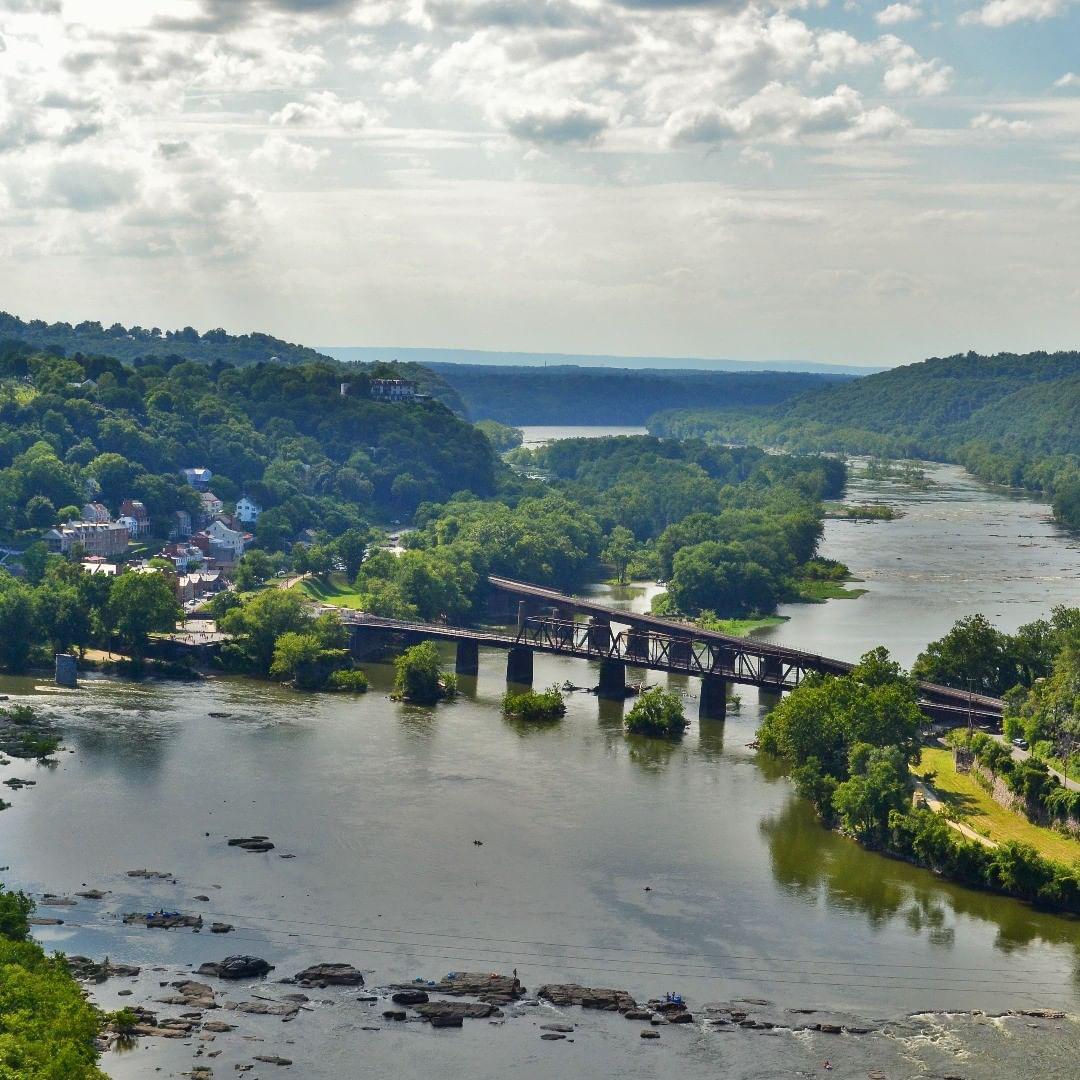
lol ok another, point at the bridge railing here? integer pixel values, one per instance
(682, 653)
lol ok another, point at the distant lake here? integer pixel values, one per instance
(538, 434)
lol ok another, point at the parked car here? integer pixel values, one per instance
(1020, 744)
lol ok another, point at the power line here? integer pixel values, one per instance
(437, 952)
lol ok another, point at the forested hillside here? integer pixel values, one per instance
(566, 394)
(1012, 419)
(73, 428)
(211, 347)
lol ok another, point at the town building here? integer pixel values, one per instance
(183, 555)
(105, 538)
(179, 525)
(137, 512)
(198, 478)
(247, 510)
(97, 512)
(224, 545)
(95, 564)
(392, 390)
(210, 505)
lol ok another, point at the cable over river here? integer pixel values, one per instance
(425, 841)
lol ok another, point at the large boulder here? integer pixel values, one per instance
(237, 967)
(410, 997)
(588, 997)
(330, 975)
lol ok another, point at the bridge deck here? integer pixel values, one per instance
(933, 692)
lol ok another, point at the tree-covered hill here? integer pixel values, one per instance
(72, 428)
(131, 343)
(567, 394)
(1010, 418)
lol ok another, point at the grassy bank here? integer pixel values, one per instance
(742, 627)
(334, 590)
(968, 802)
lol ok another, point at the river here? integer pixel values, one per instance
(602, 860)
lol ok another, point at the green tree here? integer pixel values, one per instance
(973, 654)
(18, 623)
(40, 512)
(259, 622)
(141, 605)
(305, 659)
(658, 713)
(619, 551)
(63, 616)
(351, 547)
(419, 676)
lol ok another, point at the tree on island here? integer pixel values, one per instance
(619, 551)
(419, 678)
(658, 713)
(534, 707)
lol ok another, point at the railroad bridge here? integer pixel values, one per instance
(545, 623)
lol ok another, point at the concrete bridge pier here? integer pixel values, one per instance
(612, 684)
(712, 704)
(519, 665)
(468, 658)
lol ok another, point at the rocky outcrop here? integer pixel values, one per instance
(588, 997)
(252, 843)
(492, 988)
(82, 967)
(236, 967)
(409, 997)
(164, 920)
(330, 975)
(464, 1010)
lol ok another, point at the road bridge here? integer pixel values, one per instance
(716, 659)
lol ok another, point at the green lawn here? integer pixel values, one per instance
(744, 627)
(335, 591)
(970, 804)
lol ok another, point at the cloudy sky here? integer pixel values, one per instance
(836, 180)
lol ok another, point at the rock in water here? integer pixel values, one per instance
(410, 997)
(331, 975)
(237, 967)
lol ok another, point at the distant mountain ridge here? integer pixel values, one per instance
(568, 394)
(135, 342)
(492, 358)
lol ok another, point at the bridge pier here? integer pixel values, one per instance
(712, 704)
(599, 634)
(612, 684)
(679, 652)
(519, 665)
(468, 658)
(637, 645)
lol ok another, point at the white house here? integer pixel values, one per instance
(247, 510)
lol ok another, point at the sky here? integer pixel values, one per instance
(839, 181)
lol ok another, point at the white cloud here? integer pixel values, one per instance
(325, 111)
(1068, 81)
(898, 13)
(989, 122)
(566, 122)
(998, 13)
(277, 152)
(780, 113)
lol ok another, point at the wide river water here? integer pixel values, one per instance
(602, 860)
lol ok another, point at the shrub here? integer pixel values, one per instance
(354, 681)
(533, 707)
(419, 678)
(659, 713)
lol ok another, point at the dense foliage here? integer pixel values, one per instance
(535, 706)
(568, 394)
(58, 607)
(850, 740)
(419, 677)
(657, 713)
(974, 655)
(501, 436)
(47, 1028)
(1011, 419)
(82, 427)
